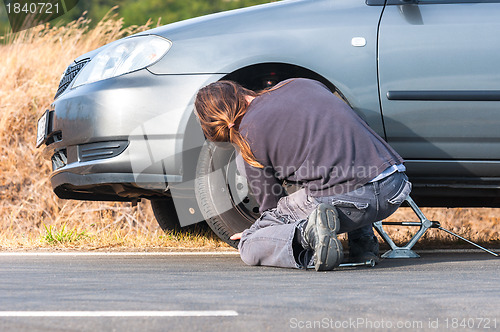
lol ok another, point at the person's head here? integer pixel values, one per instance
(220, 106)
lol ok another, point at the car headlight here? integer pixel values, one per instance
(122, 57)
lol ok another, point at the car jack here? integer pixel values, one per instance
(424, 224)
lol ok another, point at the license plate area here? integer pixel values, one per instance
(42, 129)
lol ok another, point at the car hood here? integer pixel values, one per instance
(240, 20)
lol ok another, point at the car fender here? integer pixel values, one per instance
(316, 35)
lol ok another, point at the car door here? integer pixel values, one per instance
(439, 77)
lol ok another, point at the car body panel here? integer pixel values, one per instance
(444, 52)
(114, 110)
(316, 35)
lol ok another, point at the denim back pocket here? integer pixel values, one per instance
(402, 193)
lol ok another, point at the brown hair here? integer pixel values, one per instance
(220, 106)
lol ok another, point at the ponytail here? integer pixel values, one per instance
(245, 151)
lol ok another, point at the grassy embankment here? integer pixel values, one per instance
(31, 216)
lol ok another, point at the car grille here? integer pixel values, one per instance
(69, 75)
(101, 150)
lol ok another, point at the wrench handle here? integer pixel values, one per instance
(370, 263)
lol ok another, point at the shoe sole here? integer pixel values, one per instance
(329, 252)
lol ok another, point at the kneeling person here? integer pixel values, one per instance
(299, 132)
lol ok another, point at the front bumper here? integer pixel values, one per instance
(123, 138)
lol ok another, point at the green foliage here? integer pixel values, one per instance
(138, 12)
(62, 236)
(4, 21)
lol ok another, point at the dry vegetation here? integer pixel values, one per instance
(481, 225)
(31, 216)
(31, 65)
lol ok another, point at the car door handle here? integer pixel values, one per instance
(411, 12)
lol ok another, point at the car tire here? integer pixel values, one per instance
(166, 216)
(222, 193)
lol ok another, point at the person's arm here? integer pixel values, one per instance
(265, 187)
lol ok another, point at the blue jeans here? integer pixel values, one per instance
(269, 240)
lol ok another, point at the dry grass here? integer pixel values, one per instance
(481, 225)
(31, 64)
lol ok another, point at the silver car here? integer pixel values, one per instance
(424, 75)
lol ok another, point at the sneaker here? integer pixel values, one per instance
(305, 259)
(320, 234)
(363, 249)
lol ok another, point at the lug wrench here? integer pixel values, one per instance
(370, 263)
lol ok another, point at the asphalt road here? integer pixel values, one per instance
(442, 291)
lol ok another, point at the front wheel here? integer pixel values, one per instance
(222, 193)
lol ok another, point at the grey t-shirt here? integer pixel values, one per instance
(303, 133)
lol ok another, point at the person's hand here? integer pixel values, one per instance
(236, 236)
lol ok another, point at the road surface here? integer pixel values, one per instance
(441, 291)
